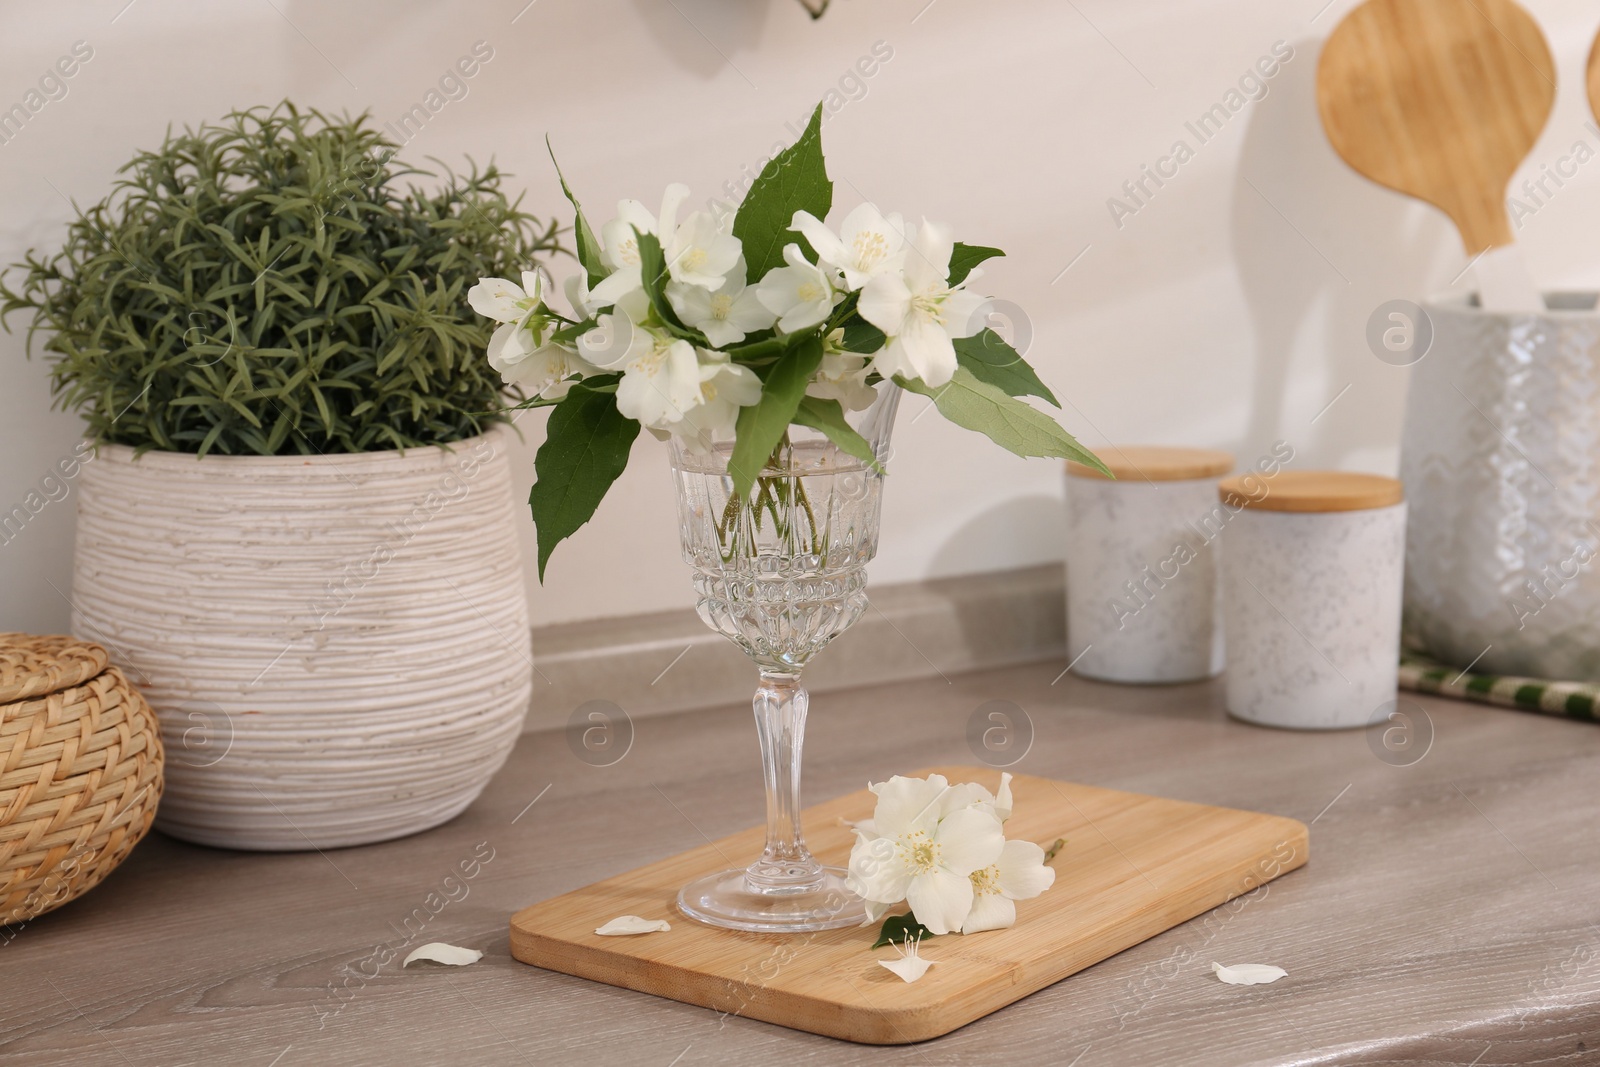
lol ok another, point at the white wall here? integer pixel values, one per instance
(1228, 311)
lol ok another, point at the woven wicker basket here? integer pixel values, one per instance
(80, 771)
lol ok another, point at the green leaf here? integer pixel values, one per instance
(964, 257)
(762, 425)
(828, 416)
(570, 334)
(795, 179)
(898, 929)
(653, 273)
(861, 337)
(1008, 422)
(585, 448)
(991, 360)
(588, 245)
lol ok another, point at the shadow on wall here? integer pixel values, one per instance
(1357, 247)
(1029, 528)
(1023, 528)
(734, 25)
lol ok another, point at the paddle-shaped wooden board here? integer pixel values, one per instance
(1132, 867)
(1439, 99)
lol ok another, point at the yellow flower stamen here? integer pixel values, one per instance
(649, 364)
(931, 305)
(869, 248)
(918, 852)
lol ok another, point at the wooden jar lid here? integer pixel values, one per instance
(1311, 491)
(1157, 463)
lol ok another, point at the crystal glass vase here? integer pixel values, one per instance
(781, 574)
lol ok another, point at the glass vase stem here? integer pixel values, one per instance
(780, 569)
(785, 864)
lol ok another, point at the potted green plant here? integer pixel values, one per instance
(297, 527)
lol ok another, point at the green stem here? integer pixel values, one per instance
(777, 495)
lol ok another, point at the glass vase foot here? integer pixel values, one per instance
(727, 899)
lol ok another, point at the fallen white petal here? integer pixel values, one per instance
(439, 952)
(1249, 973)
(632, 924)
(909, 968)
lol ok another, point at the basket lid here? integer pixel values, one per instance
(34, 666)
(1311, 491)
(1157, 463)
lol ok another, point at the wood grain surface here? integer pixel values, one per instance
(1591, 77)
(1311, 491)
(1156, 463)
(1439, 99)
(1448, 918)
(1131, 867)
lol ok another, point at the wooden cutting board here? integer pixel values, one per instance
(1132, 867)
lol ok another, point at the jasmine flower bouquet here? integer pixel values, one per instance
(729, 325)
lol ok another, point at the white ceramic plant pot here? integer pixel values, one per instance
(1311, 580)
(1142, 601)
(337, 647)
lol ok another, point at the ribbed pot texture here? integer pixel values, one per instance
(337, 647)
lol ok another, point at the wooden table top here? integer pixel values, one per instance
(1447, 915)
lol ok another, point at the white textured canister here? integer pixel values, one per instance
(1312, 569)
(1141, 571)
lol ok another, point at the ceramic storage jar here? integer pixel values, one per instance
(1312, 566)
(1141, 568)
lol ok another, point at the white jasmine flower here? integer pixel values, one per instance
(660, 374)
(506, 301)
(842, 376)
(699, 252)
(725, 316)
(920, 313)
(867, 245)
(660, 380)
(925, 848)
(617, 335)
(544, 371)
(577, 289)
(520, 309)
(725, 387)
(1019, 874)
(620, 244)
(802, 294)
(509, 345)
(998, 802)
(519, 348)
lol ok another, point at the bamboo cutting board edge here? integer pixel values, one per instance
(1140, 865)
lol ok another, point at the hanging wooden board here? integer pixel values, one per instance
(1132, 867)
